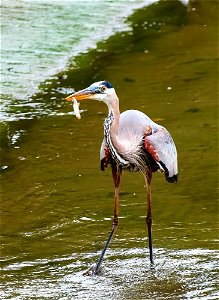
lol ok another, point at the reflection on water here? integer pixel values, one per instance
(40, 39)
(177, 274)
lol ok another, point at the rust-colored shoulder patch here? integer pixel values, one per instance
(150, 149)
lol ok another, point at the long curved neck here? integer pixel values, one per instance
(111, 126)
(114, 111)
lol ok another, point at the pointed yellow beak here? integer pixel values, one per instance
(81, 95)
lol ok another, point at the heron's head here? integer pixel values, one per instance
(101, 91)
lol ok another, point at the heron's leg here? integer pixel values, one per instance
(148, 178)
(116, 173)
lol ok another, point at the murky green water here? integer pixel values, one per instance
(57, 205)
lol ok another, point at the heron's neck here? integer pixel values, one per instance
(111, 126)
(115, 113)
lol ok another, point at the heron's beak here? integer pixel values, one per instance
(81, 95)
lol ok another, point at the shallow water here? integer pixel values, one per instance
(57, 205)
(125, 276)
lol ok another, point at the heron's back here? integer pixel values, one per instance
(132, 125)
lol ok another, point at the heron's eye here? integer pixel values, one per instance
(103, 88)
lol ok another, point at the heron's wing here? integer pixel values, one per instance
(162, 148)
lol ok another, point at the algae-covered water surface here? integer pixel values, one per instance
(57, 205)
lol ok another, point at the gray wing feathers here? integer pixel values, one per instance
(165, 148)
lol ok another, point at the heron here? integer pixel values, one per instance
(132, 142)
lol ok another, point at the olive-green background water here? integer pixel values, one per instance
(56, 203)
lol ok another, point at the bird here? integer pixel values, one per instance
(132, 142)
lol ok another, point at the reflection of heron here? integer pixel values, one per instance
(133, 142)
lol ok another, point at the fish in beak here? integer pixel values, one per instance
(87, 93)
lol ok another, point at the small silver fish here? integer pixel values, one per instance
(76, 108)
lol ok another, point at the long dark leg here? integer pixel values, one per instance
(116, 178)
(148, 178)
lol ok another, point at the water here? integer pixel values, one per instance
(57, 206)
(41, 37)
(174, 276)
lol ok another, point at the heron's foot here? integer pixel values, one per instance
(152, 265)
(94, 271)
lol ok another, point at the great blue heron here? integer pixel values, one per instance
(133, 142)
